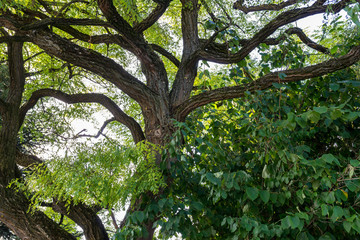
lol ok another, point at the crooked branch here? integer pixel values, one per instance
(305, 39)
(100, 132)
(281, 20)
(266, 81)
(264, 7)
(101, 99)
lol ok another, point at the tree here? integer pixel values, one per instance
(52, 47)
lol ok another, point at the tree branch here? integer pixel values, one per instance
(118, 22)
(153, 16)
(281, 20)
(305, 39)
(64, 21)
(99, 132)
(94, 62)
(266, 81)
(118, 114)
(215, 48)
(166, 54)
(51, 70)
(8, 39)
(151, 64)
(187, 72)
(265, 7)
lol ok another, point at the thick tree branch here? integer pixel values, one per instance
(8, 39)
(151, 64)
(94, 62)
(166, 54)
(64, 21)
(281, 20)
(153, 16)
(85, 217)
(265, 7)
(119, 23)
(266, 81)
(187, 72)
(118, 114)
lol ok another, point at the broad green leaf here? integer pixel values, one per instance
(313, 116)
(355, 163)
(252, 193)
(347, 225)
(335, 114)
(294, 222)
(265, 195)
(330, 197)
(353, 185)
(214, 180)
(329, 158)
(320, 109)
(338, 212)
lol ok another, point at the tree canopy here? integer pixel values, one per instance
(221, 119)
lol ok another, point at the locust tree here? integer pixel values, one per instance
(147, 64)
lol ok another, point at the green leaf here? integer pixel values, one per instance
(139, 215)
(347, 225)
(330, 197)
(285, 222)
(277, 85)
(353, 185)
(282, 76)
(301, 122)
(324, 210)
(313, 116)
(320, 109)
(335, 114)
(294, 222)
(356, 225)
(334, 86)
(214, 180)
(252, 193)
(338, 212)
(197, 205)
(265, 195)
(355, 163)
(329, 158)
(334, 49)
